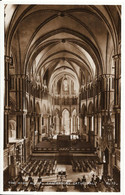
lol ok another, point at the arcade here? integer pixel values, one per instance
(62, 98)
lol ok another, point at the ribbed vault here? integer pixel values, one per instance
(81, 38)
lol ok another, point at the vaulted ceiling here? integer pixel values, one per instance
(67, 39)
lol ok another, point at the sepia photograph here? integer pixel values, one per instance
(62, 98)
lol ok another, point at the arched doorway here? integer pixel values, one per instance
(65, 122)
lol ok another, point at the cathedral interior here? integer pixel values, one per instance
(62, 98)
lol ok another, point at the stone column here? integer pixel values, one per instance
(117, 64)
(92, 123)
(6, 128)
(60, 124)
(95, 130)
(85, 123)
(24, 124)
(20, 106)
(37, 129)
(117, 95)
(19, 125)
(40, 128)
(8, 61)
(89, 126)
(34, 118)
(76, 125)
(28, 142)
(47, 130)
(73, 124)
(99, 153)
(95, 125)
(54, 123)
(113, 120)
(99, 135)
(49, 124)
(99, 126)
(110, 165)
(81, 125)
(28, 125)
(24, 136)
(87, 132)
(70, 124)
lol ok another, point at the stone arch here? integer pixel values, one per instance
(84, 110)
(95, 53)
(90, 108)
(56, 111)
(66, 109)
(74, 111)
(12, 129)
(57, 120)
(66, 121)
(74, 121)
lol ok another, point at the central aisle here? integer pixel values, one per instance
(71, 177)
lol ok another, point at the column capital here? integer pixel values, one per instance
(23, 76)
(20, 112)
(9, 60)
(7, 107)
(117, 108)
(6, 111)
(116, 56)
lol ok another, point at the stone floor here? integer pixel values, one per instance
(71, 177)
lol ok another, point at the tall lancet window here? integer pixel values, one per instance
(65, 85)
